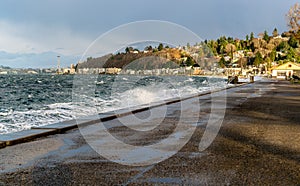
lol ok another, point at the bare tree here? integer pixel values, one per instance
(293, 18)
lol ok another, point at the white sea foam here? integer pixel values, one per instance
(12, 121)
(99, 82)
(189, 80)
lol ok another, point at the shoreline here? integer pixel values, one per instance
(41, 109)
(258, 144)
(34, 133)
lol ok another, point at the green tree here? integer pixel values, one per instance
(230, 40)
(252, 47)
(128, 49)
(258, 59)
(273, 55)
(189, 61)
(293, 42)
(160, 47)
(201, 52)
(221, 45)
(222, 62)
(269, 65)
(247, 38)
(213, 45)
(266, 36)
(244, 45)
(291, 54)
(188, 45)
(275, 32)
(251, 36)
(282, 47)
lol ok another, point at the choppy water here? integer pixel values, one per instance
(35, 100)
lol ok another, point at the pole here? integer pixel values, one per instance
(58, 64)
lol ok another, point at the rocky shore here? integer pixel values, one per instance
(258, 144)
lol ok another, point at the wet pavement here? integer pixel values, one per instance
(258, 143)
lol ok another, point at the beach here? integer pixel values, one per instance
(258, 144)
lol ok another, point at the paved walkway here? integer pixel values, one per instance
(258, 144)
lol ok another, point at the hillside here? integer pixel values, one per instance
(94, 62)
(166, 57)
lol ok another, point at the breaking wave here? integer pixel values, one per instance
(36, 100)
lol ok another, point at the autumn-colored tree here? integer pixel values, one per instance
(293, 18)
(230, 48)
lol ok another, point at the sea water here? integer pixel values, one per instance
(35, 100)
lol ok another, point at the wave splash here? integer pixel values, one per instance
(50, 99)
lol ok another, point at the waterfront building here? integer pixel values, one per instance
(286, 70)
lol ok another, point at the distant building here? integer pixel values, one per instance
(197, 71)
(32, 72)
(3, 72)
(233, 71)
(66, 71)
(112, 70)
(71, 70)
(286, 70)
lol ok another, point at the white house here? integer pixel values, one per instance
(286, 70)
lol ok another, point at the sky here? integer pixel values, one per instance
(33, 33)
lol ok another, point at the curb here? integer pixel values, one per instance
(24, 136)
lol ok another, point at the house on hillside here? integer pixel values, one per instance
(113, 70)
(233, 71)
(286, 70)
